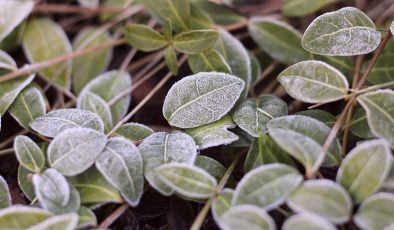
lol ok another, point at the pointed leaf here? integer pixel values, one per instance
(163, 148)
(253, 115)
(305, 221)
(86, 218)
(29, 154)
(6, 61)
(267, 186)
(301, 8)
(60, 120)
(208, 60)
(379, 106)
(171, 60)
(344, 32)
(60, 222)
(93, 103)
(167, 29)
(5, 197)
(211, 166)
(134, 131)
(281, 41)
(365, 168)
(200, 19)
(75, 150)
(121, 164)
(214, 134)
(13, 12)
(201, 99)
(195, 41)
(43, 39)
(144, 38)
(221, 203)
(246, 217)
(22, 217)
(314, 82)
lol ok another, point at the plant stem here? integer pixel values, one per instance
(375, 87)
(6, 151)
(11, 139)
(67, 9)
(204, 211)
(114, 216)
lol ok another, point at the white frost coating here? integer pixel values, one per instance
(187, 180)
(221, 204)
(246, 217)
(307, 221)
(64, 222)
(252, 115)
(314, 82)
(12, 14)
(29, 154)
(75, 150)
(201, 99)
(163, 148)
(344, 32)
(6, 61)
(267, 186)
(5, 196)
(56, 122)
(122, 166)
(92, 102)
(324, 198)
(22, 210)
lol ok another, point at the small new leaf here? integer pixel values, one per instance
(29, 154)
(171, 60)
(144, 38)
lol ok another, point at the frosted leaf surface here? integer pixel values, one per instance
(246, 217)
(5, 197)
(59, 222)
(29, 154)
(307, 222)
(93, 103)
(22, 217)
(13, 12)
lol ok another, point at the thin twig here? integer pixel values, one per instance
(6, 151)
(68, 9)
(11, 139)
(113, 217)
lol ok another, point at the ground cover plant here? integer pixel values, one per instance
(195, 114)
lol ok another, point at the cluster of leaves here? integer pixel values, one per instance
(90, 156)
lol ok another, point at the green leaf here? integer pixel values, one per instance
(220, 14)
(379, 106)
(382, 71)
(299, 8)
(211, 166)
(321, 115)
(214, 134)
(75, 150)
(94, 103)
(208, 60)
(163, 148)
(144, 38)
(60, 222)
(167, 29)
(376, 212)
(267, 186)
(246, 217)
(93, 188)
(359, 124)
(121, 164)
(200, 19)
(171, 60)
(5, 197)
(263, 150)
(256, 68)
(86, 218)
(187, 180)
(13, 12)
(111, 86)
(22, 217)
(221, 203)
(236, 56)
(134, 131)
(60, 120)
(25, 183)
(7, 62)
(9, 91)
(344, 32)
(365, 168)
(29, 154)
(322, 197)
(312, 134)
(177, 11)
(253, 115)
(314, 82)
(195, 41)
(43, 39)
(278, 39)
(29, 105)
(88, 66)
(201, 99)
(305, 221)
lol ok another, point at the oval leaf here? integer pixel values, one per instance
(93, 103)
(221, 203)
(195, 41)
(359, 125)
(211, 166)
(365, 168)
(22, 217)
(305, 221)
(208, 60)
(12, 14)
(29, 154)
(314, 82)
(246, 217)
(344, 32)
(25, 183)
(201, 99)
(86, 218)
(5, 197)
(134, 131)
(144, 38)
(60, 222)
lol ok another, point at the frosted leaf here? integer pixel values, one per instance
(304, 7)
(57, 121)
(109, 86)
(323, 198)
(25, 183)
(75, 150)
(187, 180)
(163, 148)
(345, 32)
(29, 154)
(22, 217)
(314, 82)
(359, 124)
(13, 12)
(379, 106)
(214, 134)
(211, 166)
(93, 103)
(221, 203)
(365, 168)
(5, 197)
(267, 186)
(278, 39)
(209, 60)
(307, 222)
(60, 222)
(321, 115)
(201, 99)
(236, 57)
(86, 218)
(121, 164)
(134, 131)
(6, 61)
(246, 217)
(253, 115)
